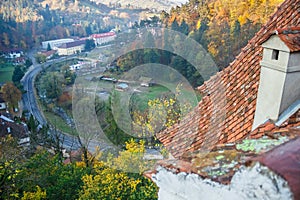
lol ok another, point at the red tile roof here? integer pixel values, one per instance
(269, 128)
(290, 36)
(207, 126)
(48, 53)
(16, 130)
(102, 35)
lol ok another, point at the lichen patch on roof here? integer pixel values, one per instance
(224, 161)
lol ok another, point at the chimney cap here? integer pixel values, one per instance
(290, 36)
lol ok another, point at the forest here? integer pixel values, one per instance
(26, 23)
(222, 27)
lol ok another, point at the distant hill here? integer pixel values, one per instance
(19, 10)
(29, 10)
(159, 5)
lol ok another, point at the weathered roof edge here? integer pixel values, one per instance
(285, 161)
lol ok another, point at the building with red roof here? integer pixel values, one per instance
(103, 38)
(214, 145)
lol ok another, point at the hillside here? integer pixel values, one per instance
(158, 5)
(223, 27)
(25, 23)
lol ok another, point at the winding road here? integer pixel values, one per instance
(30, 102)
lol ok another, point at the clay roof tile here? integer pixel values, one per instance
(219, 113)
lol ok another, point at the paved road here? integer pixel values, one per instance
(30, 102)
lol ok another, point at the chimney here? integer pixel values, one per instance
(279, 85)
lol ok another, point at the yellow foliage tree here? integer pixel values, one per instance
(38, 195)
(132, 159)
(108, 182)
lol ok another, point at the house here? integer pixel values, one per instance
(9, 127)
(2, 102)
(260, 101)
(13, 53)
(122, 86)
(48, 54)
(19, 61)
(71, 48)
(146, 81)
(55, 43)
(75, 67)
(103, 38)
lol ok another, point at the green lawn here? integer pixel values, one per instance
(59, 123)
(56, 121)
(140, 100)
(6, 73)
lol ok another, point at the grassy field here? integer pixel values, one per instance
(6, 73)
(140, 100)
(59, 123)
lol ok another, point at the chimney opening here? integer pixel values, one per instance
(275, 54)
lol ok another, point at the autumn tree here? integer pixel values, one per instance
(40, 58)
(228, 25)
(10, 157)
(161, 113)
(45, 176)
(11, 94)
(111, 180)
(37, 195)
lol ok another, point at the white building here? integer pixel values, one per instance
(103, 38)
(56, 43)
(13, 53)
(71, 48)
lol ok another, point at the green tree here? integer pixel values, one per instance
(52, 83)
(88, 30)
(48, 47)
(184, 28)
(28, 63)
(108, 121)
(175, 26)
(58, 180)
(89, 45)
(17, 74)
(40, 58)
